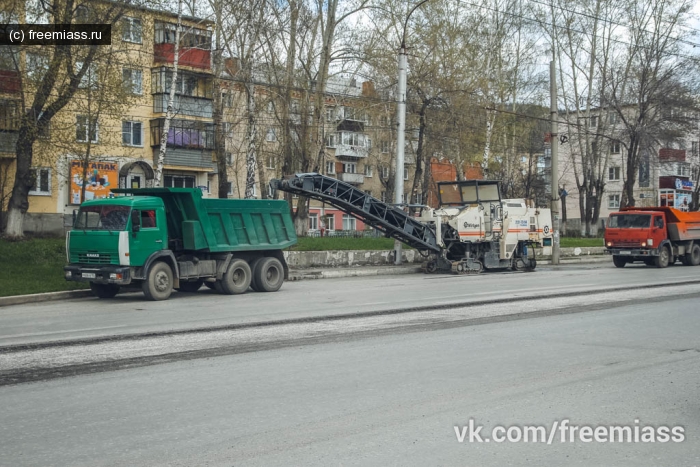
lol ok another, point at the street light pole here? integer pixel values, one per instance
(553, 107)
(400, 138)
(401, 120)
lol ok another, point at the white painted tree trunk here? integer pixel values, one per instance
(170, 112)
(15, 223)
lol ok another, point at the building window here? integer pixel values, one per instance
(330, 114)
(694, 148)
(329, 220)
(42, 182)
(178, 181)
(612, 118)
(132, 133)
(682, 170)
(383, 197)
(349, 167)
(313, 221)
(349, 222)
(614, 201)
(385, 172)
(330, 167)
(613, 173)
(86, 129)
(385, 146)
(594, 121)
(9, 115)
(419, 198)
(271, 135)
(331, 140)
(615, 147)
(133, 80)
(368, 171)
(405, 173)
(37, 65)
(229, 158)
(89, 79)
(271, 162)
(131, 29)
(187, 134)
(189, 37)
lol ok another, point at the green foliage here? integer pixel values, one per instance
(33, 266)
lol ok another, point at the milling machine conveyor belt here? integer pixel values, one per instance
(394, 222)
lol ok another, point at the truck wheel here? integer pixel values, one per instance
(237, 278)
(159, 283)
(104, 290)
(693, 257)
(619, 261)
(190, 287)
(663, 259)
(269, 274)
(253, 265)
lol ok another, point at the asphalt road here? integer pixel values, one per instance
(383, 390)
(131, 314)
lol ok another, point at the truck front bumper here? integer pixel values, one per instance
(632, 252)
(120, 275)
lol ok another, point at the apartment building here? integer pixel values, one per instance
(123, 141)
(666, 175)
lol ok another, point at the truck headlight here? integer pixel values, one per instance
(644, 244)
(609, 244)
(115, 276)
(69, 274)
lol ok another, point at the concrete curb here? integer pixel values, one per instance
(297, 275)
(43, 297)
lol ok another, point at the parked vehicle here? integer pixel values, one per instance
(473, 229)
(657, 236)
(160, 239)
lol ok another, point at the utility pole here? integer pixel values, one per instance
(400, 138)
(401, 118)
(554, 141)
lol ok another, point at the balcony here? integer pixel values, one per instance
(9, 82)
(194, 158)
(184, 105)
(189, 56)
(355, 179)
(344, 150)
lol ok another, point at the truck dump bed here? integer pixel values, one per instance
(220, 225)
(682, 226)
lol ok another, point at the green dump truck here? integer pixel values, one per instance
(160, 239)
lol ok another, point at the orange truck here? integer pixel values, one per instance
(657, 236)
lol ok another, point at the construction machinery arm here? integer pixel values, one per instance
(394, 222)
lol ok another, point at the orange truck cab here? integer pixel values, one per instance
(657, 236)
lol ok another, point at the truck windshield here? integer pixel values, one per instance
(630, 221)
(102, 218)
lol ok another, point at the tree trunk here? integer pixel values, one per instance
(24, 180)
(170, 113)
(251, 152)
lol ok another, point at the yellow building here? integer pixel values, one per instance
(115, 120)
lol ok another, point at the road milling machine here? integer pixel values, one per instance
(473, 229)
